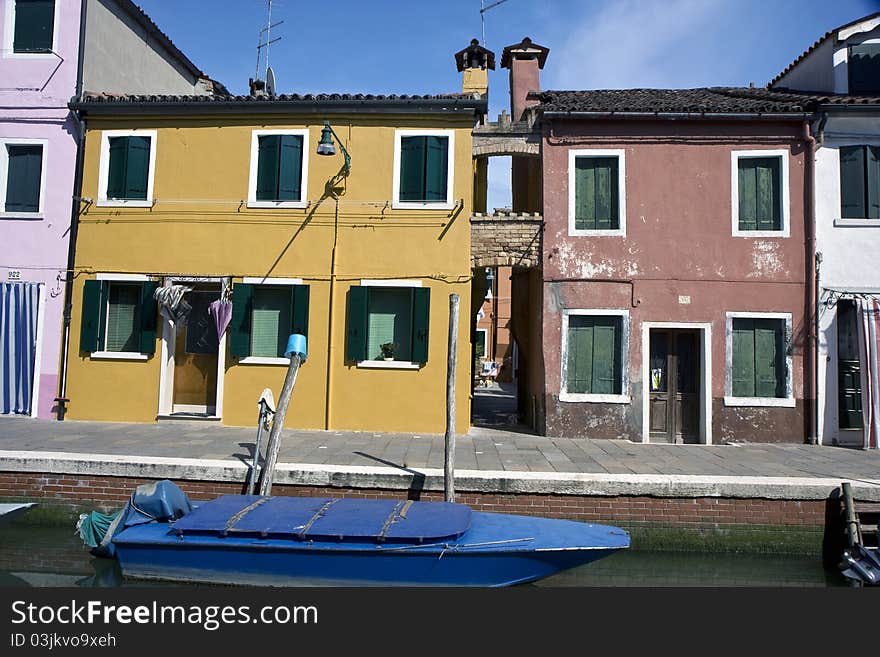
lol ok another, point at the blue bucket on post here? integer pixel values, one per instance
(296, 344)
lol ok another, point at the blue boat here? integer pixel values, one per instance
(301, 541)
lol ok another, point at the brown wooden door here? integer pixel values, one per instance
(674, 376)
(195, 358)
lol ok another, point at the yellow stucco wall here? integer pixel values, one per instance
(200, 226)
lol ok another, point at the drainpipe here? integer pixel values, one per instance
(61, 400)
(812, 283)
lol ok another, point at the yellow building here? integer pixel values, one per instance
(229, 200)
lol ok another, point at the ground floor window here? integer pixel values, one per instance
(593, 354)
(849, 376)
(480, 343)
(388, 323)
(118, 317)
(759, 365)
(264, 316)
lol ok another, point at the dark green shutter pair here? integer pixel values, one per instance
(23, 177)
(760, 203)
(860, 182)
(863, 68)
(758, 357)
(596, 193)
(242, 310)
(594, 355)
(358, 318)
(34, 25)
(279, 167)
(96, 295)
(129, 168)
(424, 169)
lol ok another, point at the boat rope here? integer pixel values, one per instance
(321, 512)
(243, 512)
(453, 547)
(393, 517)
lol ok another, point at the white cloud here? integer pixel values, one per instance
(632, 43)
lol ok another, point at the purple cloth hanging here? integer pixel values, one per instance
(222, 313)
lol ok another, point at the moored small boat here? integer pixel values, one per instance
(9, 512)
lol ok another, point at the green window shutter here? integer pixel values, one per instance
(270, 321)
(23, 178)
(872, 180)
(421, 317)
(769, 367)
(606, 358)
(356, 324)
(580, 354)
(148, 318)
(116, 168)
(759, 193)
(436, 168)
(748, 196)
(585, 194)
(863, 67)
(123, 317)
(91, 328)
(300, 315)
(240, 324)
(290, 168)
(34, 25)
(137, 168)
(268, 158)
(593, 361)
(596, 193)
(743, 366)
(852, 182)
(412, 168)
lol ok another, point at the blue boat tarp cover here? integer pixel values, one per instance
(322, 518)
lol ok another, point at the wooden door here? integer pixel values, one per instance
(195, 357)
(674, 385)
(849, 375)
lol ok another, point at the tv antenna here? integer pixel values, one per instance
(483, 9)
(267, 31)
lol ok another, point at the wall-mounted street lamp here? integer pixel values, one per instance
(327, 147)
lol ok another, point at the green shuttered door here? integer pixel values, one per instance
(34, 25)
(593, 360)
(759, 193)
(23, 177)
(596, 193)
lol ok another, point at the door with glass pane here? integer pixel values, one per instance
(849, 375)
(195, 357)
(674, 392)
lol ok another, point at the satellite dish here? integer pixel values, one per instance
(270, 81)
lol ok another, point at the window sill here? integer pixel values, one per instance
(48, 54)
(123, 203)
(415, 205)
(278, 205)
(22, 215)
(263, 360)
(857, 223)
(593, 399)
(784, 402)
(618, 232)
(389, 365)
(761, 233)
(119, 355)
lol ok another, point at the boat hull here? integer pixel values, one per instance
(497, 550)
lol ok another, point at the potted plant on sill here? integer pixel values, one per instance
(388, 350)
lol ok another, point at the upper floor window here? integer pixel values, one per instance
(22, 170)
(596, 198)
(864, 68)
(279, 164)
(126, 167)
(34, 26)
(860, 182)
(423, 165)
(760, 193)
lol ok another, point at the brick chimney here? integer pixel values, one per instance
(474, 62)
(524, 60)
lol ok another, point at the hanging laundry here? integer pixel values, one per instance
(221, 311)
(172, 304)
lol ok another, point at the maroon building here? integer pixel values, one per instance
(675, 276)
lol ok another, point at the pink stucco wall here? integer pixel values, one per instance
(678, 243)
(34, 91)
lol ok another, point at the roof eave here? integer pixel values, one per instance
(779, 116)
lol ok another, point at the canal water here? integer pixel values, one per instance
(54, 556)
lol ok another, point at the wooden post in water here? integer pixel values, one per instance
(296, 351)
(449, 463)
(849, 515)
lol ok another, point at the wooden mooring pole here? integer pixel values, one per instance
(449, 462)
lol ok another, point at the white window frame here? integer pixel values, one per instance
(839, 220)
(252, 201)
(620, 154)
(485, 333)
(258, 280)
(785, 214)
(729, 400)
(623, 397)
(4, 176)
(119, 355)
(396, 203)
(104, 170)
(389, 364)
(9, 35)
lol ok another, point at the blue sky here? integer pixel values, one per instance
(406, 46)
